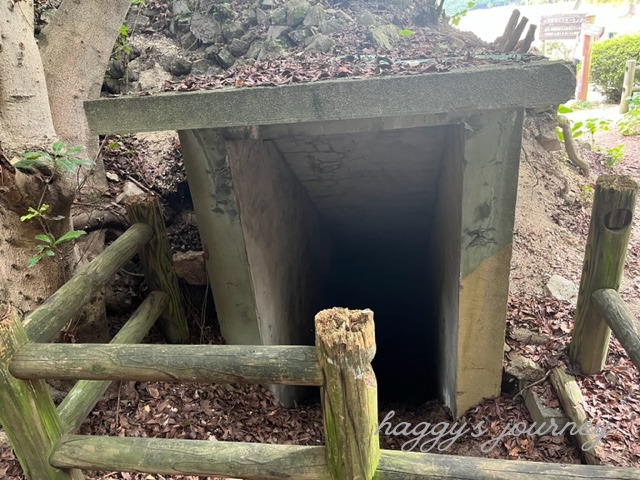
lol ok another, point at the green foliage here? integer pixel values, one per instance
(456, 17)
(405, 32)
(629, 124)
(457, 6)
(608, 61)
(564, 109)
(59, 156)
(122, 48)
(63, 158)
(48, 244)
(592, 125)
(558, 50)
(613, 155)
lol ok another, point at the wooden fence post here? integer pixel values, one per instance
(27, 412)
(613, 207)
(345, 344)
(157, 263)
(627, 85)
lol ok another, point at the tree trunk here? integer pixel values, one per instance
(26, 124)
(75, 49)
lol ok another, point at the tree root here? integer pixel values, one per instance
(570, 145)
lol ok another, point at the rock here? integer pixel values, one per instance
(178, 66)
(583, 144)
(321, 43)
(112, 85)
(268, 4)
(384, 36)
(206, 28)
(527, 336)
(299, 36)
(129, 190)
(562, 289)
(524, 368)
(315, 16)
(238, 47)
(254, 50)
(540, 413)
(153, 78)
(211, 52)
(203, 67)
(368, 19)
(342, 15)
(224, 11)
(278, 16)
(180, 7)
(187, 40)
(333, 25)
(225, 58)
(296, 11)
(116, 69)
(4, 441)
(232, 29)
(190, 266)
(261, 17)
(276, 31)
(551, 143)
(507, 348)
(112, 176)
(271, 49)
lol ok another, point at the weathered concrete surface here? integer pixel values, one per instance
(479, 88)
(397, 192)
(222, 237)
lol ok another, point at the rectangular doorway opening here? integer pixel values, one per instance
(392, 201)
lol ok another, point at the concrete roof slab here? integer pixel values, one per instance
(477, 88)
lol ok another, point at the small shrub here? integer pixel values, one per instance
(629, 124)
(608, 62)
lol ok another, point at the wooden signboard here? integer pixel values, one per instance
(564, 26)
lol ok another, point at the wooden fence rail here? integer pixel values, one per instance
(621, 320)
(286, 365)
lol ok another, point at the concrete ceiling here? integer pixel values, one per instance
(370, 186)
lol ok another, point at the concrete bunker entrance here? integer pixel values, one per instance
(391, 201)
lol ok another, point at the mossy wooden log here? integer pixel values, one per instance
(346, 345)
(572, 403)
(278, 462)
(157, 263)
(85, 393)
(397, 465)
(27, 412)
(44, 323)
(191, 457)
(277, 364)
(621, 321)
(627, 85)
(613, 206)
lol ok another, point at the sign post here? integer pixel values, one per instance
(588, 32)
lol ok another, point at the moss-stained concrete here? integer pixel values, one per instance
(216, 207)
(480, 345)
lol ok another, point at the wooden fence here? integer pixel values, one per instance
(339, 363)
(628, 87)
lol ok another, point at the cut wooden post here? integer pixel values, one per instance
(45, 322)
(627, 85)
(345, 344)
(525, 44)
(27, 412)
(621, 321)
(511, 24)
(85, 393)
(613, 207)
(512, 41)
(572, 403)
(157, 263)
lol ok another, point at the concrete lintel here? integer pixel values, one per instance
(481, 88)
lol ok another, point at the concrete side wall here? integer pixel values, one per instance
(492, 157)
(445, 249)
(288, 245)
(215, 204)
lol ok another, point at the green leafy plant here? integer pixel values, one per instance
(613, 155)
(629, 124)
(122, 48)
(59, 156)
(405, 32)
(587, 191)
(608, 61)
(48, 245)
(456, 17)
(65, 159)
(592, 125)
